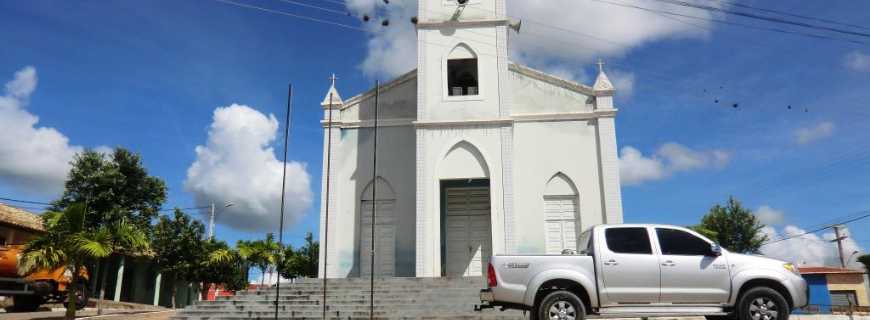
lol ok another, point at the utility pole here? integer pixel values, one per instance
(211, 222)
(211, 218)
(839, 239)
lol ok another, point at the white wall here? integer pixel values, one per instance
(541, 150)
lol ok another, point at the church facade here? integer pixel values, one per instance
(476, 156)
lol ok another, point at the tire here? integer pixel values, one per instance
(561, 305)
(28, 303)
(82, 297)
(762, 303)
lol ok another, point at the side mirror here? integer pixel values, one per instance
(568, 252)
(715, 250)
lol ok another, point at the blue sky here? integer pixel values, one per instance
(149, 75)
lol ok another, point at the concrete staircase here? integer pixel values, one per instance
(395, 298)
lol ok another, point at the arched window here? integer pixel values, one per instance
(462, 72)
(561, 214)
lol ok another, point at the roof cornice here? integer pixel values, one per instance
(551, 79)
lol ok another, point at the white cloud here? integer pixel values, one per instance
(809, 249)
(769, 216)
(237, 165)
(857, 61)
(811, 134)
(623, 82)
(32, 158)
(605, 30)
(669, 158)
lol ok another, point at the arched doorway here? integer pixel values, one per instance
(561, 214)
(466, 220)
(385, 230)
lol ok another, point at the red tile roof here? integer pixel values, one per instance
(827, 270)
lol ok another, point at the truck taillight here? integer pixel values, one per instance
(490, 276)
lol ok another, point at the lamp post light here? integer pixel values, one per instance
(211, 219)
(851, 256)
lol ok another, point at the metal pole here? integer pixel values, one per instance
(283, 187)
(839, 239)
(374, 202)
(328, 178)
(211, 222)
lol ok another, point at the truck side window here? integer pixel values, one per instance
(678, 242)
(628, 240)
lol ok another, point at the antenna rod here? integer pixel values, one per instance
(374, 202)
(328, 178)
(283, 188)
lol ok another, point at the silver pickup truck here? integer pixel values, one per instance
(645, 271)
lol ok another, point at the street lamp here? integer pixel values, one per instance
(211, 219)
(852, 255)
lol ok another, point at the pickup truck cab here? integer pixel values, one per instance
(641, 270)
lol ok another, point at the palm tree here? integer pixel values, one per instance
(261, 253)
(127, 239)
(66, 244)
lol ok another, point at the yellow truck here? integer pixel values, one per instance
(30, 291)
(44, 286)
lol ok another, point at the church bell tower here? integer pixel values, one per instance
(462, 59)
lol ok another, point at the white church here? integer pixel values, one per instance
(476, 156)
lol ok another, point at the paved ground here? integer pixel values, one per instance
(164, 315)
(91, 314)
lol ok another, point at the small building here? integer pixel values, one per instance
(128, 280)
(18, 226)
(835, 288)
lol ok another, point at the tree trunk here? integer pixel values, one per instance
(103, 271)
(262, 277)
(173, 292)
(71, 294)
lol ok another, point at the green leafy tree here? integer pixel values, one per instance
(117, 189)
(301, 262)
(223, 265)
(865, 260)
(733, 227)
(114, 187)
(66, 244)
(177, 244)
(264, 254)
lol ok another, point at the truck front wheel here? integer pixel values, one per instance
(28, 303)
(560, 305)
(762, 303)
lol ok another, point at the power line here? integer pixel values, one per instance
(763, 18)
(812, 35)
(785, 13)
(865, 214)
(298, 16)
(25, 201)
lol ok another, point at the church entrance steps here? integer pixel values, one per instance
(395, 298)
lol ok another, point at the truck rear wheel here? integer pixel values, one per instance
(28, 303)
(762, 303)
(560, 305)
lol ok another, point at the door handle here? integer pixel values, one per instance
(668, 263)
(611, 262)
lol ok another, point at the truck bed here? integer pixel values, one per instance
(517, 272)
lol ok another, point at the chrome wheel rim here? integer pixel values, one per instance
(562, 310)
(763, 308)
